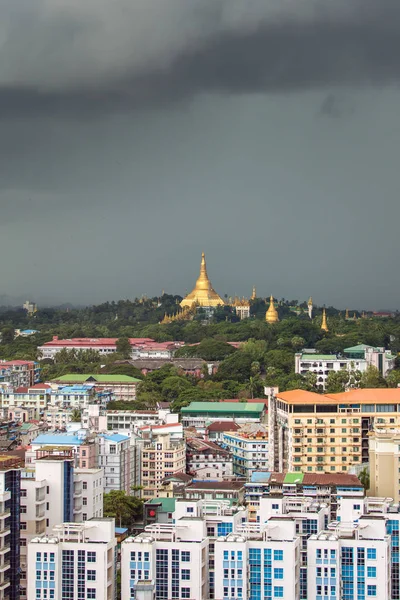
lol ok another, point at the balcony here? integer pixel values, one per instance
(4, 566)
(77, 508)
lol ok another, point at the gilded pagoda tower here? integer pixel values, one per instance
(203, 293)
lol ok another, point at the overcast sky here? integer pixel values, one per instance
(134, 134)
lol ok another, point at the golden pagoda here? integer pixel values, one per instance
(203, 293)
(271, 316)
(324, 324)
(347, 314)
(254, 293)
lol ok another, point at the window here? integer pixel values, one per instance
(356, 506)
(91, 575)
(91, 557)
(185, 556)
(278, 591)
(113, 449)
(90, 593)
(84, 517)
(371, 571)
(38, 575)
(371, 553)
(52, 557)
(185, 574)
(84, 501)
(278, 573)
(275, 507)
(23, 525)
(185, 592)
(371, 590)
(278, 554)
(22, 510)
(23, 493)
(190, 509)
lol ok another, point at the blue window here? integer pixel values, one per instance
(185, 592)
(278, 554)
(333, 572)
(371, 590)
(356, 506)
(146, 556)
(333, 554)
(38, 575)
(278, 573)
(185, 556)
(52, 592)
(226, 554)
(371, 571)
(278, 591)
(90, 593)
(333, 590)
(275, 506)
(240, 592)
(38, 556)
(240, 555)
(226, 592)
(371, 553)
(185, 574)
(224, 528)
(52, 556)
(133, 555)
(190, 509)
(52, 573)
(319, 553)
(38, 593)
(91, 557)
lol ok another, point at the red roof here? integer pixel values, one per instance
(147, 343)
(15, 363)
(223, 426)
(40, 386)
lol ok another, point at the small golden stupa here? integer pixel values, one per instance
(271, 316)
(203, 293)
(324, 324)
(254, 293)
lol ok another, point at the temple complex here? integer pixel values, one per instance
(203, 293)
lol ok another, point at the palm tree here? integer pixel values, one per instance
(76, 416)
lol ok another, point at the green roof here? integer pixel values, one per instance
(26, 426)
(100, 378)
(224, 407)
(168, 504)
(312, 357)
(360, 348)
(293, 478)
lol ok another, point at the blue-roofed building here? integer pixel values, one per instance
(79, 396)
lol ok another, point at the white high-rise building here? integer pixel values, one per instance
(76, 562)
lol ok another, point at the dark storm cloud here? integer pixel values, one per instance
(226, 46)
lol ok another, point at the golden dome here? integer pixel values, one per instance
(203, 293)
(324, 324)
(271, 316)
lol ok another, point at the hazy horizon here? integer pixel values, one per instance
(136, 135)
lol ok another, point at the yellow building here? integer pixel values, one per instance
(271, 316)
(384, 463)
(203, 293)
(162, 456)
(311, 432)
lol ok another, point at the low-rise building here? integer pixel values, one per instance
(201, 414)
(36, 397)
(232, 490)
(356, 358)
(121, 387)
(207, 460)
(215, 431)
(17, 373)
(384, 463)
(132, 420)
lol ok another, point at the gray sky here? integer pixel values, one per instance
(135, 134)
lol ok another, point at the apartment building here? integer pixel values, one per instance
(132, 420)
(169, 560)
(75, 562)
(36, 397)
(320, 488)
(16, 373)
(10, 480)
(161, 456)
(116, 459)
(384, 463)
(356, 358)
(327, 432)
(207, 460)
(249, 449)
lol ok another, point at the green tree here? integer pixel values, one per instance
(123, 347)
(372, 378)
(7, 335)
(125, 509)
(365, 478)
(172, 387)
(393, 378)
(76, 416)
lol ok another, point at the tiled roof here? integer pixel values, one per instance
(97, 377)
(216, 485)
(223, 426)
